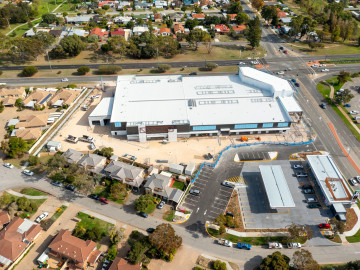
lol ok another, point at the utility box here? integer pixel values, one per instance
(176, 168)
(189, 170)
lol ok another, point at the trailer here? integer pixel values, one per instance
(72, 139)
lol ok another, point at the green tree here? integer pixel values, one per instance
(56, 162)
(44, 38)
(29, 71)
(353, 265)
(143, 202)
(2, 107)
(343, 97)
(167, 46)
(295, 25)
(107, 152)
(210, 66)
(72, 45)
(165, 239)
(105, 48)
(116, 235)
(112, 253)
(303, 260)
(222, 230)
(163, 68)
(335, 34)
(5, 200)
(297, 230)
(337, 225)
(343, 77)
(197, 9)
(48, 18)
(257, 4)
(268, 12)
(79, 231)
(23, 203)
(235, 7)
(33, 160)
(83, 70)
(242, 18)
(118, 45)
(94, 234)
(275, 261)
(109, 69)
(307, 25)
(117, 190)
(137, 252)
(219, 265)
(14, 147)
(196, 36)
(254, 32)
(58, 52)
(191, 23)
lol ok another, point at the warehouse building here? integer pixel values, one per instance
(146, 107)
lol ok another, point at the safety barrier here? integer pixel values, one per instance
(213, 165)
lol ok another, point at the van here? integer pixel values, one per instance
(311, 200)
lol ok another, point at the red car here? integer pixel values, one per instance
(324, 226)
(285, 51)
(103, 200)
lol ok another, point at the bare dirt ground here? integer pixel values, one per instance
(184, 150)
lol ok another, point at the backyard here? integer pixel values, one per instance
(88, 223)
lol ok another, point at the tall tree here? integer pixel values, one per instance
(48, 18)
(257, 4)
(165, 239)
(303, 260)
(167, 46)
(14, 147)
(275, 261)
(235, 7)
(72, 45)
(295, 25)
(268, 12)
(254, 32)
(242, 18)
(297, 230)
(335, 33)
(196, 36)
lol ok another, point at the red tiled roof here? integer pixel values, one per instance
(72, 247)
(238, 28)
(121, 264)
(164, 30)
(281, 14)
(179, 27)
(222, 28)
(198, 16)
(232, 16)
(118, 32)
(157, 16)
(105, 2)
(4, 218)
(94, 256)
(98, 31)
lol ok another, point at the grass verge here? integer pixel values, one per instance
(355, 238)
(89, 223)
(341, 61)
(58, 213)
(104, 192)
(32, 192)
(169, 215)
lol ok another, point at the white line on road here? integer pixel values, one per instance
(197, 209)
(205, 212)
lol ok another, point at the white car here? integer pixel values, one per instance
(294, 245)
(316, 65)
(242, 63)
(324, 70)
(254, 62)
(64, 79)
(322, 65)
(280, 73)
(353, 182)
(298, 166)
(8, 165)
(353, 112)
(28, 172)
(41, 217)
(357, 178)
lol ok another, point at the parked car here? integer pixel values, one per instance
(353, 182)
(275, 245)
(194, 192)
(105, 265)
(314, 205)
(224, 242)
(347, 105)
(192, 73)
(324, 70)
(242, 63)
(281, 48)
(143, 214)
(357, 178)
(103, 200)
(297, 84)
(315, 65)
(28, 172)
(298, 166)
(41, 217)
(301, 174)
(229, 214)
(64, 79)
(135, 189)
(150, 230)
(293, 80)
(308, 191)
(306, 186)
(56, 183)
(323, 105)
(294, 245)
(324, 226)
(353, 112)
(285, 51)
(322, 65)
(312, 200)
(161, 205)
(244, 246)
(8, 165)
(280, 73)
(254, 62)
(94, 196)
(228, 184)
(70, 187)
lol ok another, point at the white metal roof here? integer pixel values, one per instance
(290, 104)
(104, 107)
(324, 167)
(276, 187)
(215, 99)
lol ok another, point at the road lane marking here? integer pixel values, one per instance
(205, 212)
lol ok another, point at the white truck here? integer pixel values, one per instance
(72, 139)
(224, 242)
(87, 139)
(275, 245)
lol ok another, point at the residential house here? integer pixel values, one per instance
(78, 32)
(78, 252)
(281, 14)
(72, 156)
(239, 29)
(27, 134)
(55, 33)
(176, 17)
(122, 19)
(158, 17)
(122, 264)
(98, 32)
(117, 32)
(125, 173)
(8, 96)
(164, 31)
(232, 16)
(179, 28)
(37, 98)
(124, 4)
(138, 30)
(206, 3)
(93, 162)
(198, 16)
(32, 121)
(222, 28)
(4, 219)
(286, 20)
(159, 185)
(64, 97)
(16, 238)
(78, 19)
(53, 146)
(30, 33)
(160, 4)
(111, 4)
(201, 27)
(188, 3)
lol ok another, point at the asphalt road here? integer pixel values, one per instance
(12, 178)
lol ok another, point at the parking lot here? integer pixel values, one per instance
(254, 156)
(255, 207)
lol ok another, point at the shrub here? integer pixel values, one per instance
(33, 160)
(112, 253)
(1, 107)
(71, 86)
(163, 67)
(210, 66)
(29, 71)
(1, 72)
(58, 177)
(109, 69)
(83, 70)
(219, 265)
(23, 203)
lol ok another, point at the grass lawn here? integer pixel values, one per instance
(324, 89)
(169, 215)
(333, 267)
(150, 208)
(32, 192)
(178, 185)
(341, 61)
(89, 223)
(355, 238)
(256, 241)
(58, 214)
(36, 203)
(22, 29)
(329, 49)
(104, 192)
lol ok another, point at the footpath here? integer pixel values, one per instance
(17, 194)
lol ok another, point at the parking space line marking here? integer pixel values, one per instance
(249, 217)
(218, 208)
